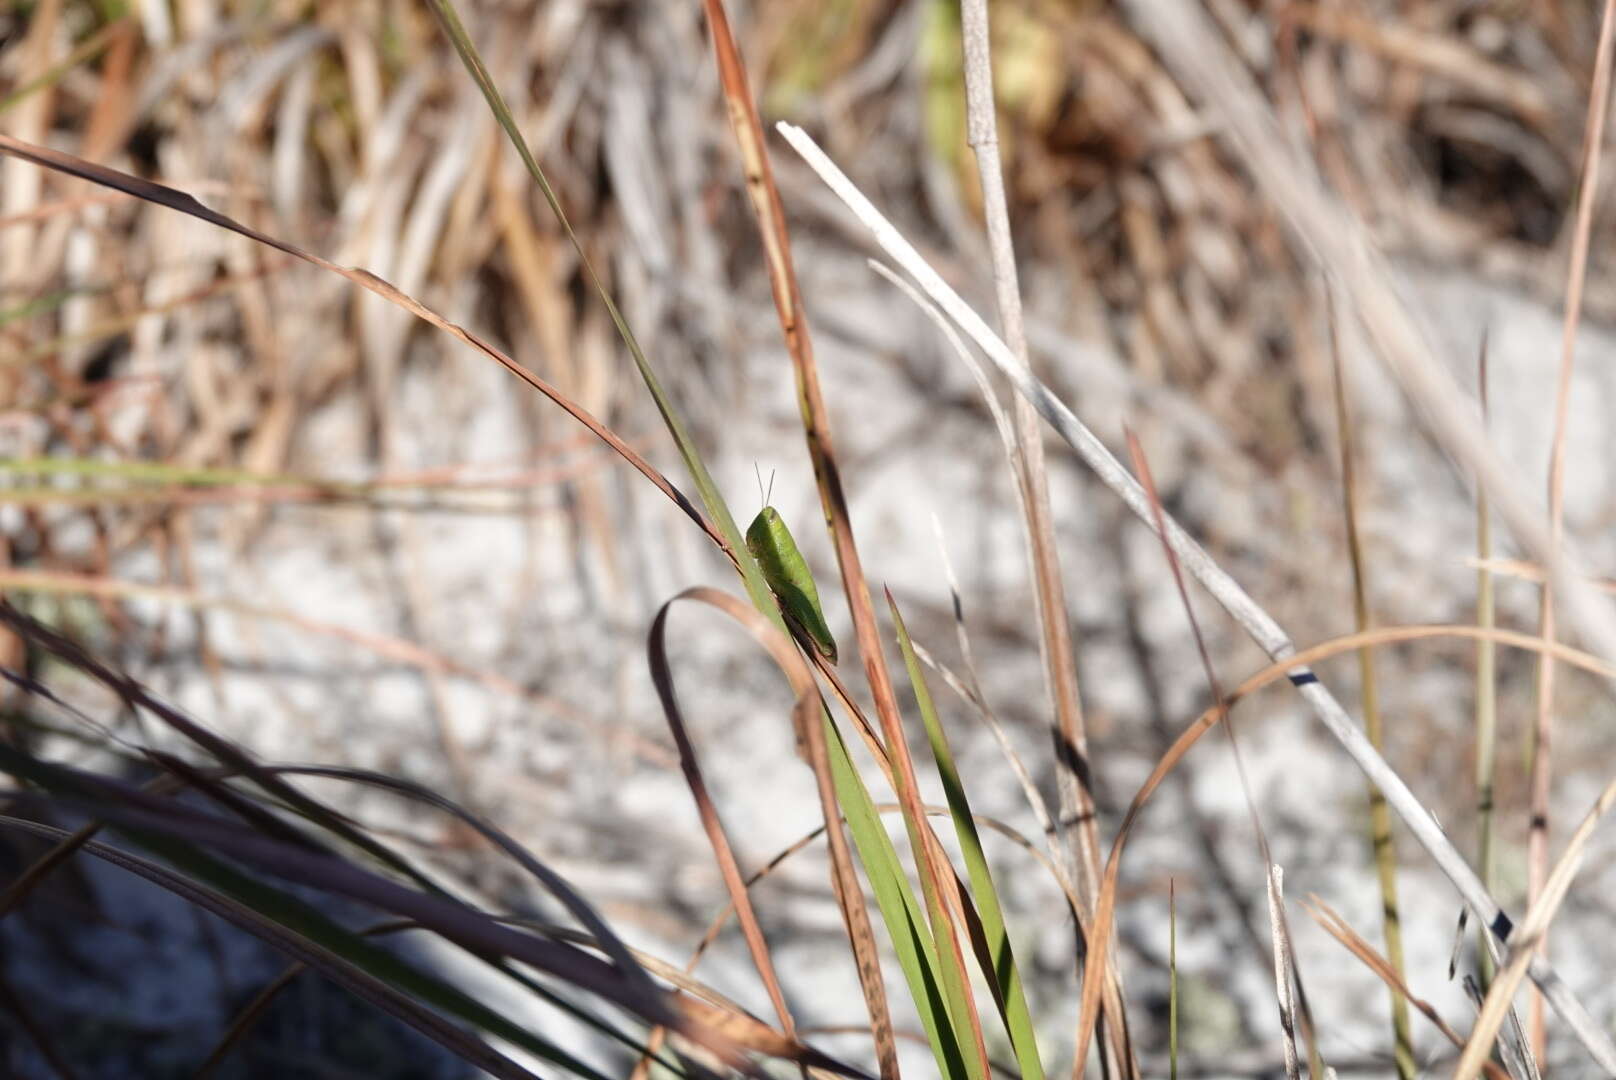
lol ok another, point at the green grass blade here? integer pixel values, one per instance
(1000, 967)
(717, 509)
(900, 910)
(948, 962)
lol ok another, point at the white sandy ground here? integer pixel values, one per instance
(509, 595)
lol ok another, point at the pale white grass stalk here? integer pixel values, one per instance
(1282, 970)
(1073, 775)
(1537, 837)
(1258, 623)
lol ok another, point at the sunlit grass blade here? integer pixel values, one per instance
(999, 966)
(160, 472)
(39, 305)
(105, 329)
(711, 498)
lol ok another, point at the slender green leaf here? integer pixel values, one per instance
(711, 498)
(900, 911)
(1000, 964)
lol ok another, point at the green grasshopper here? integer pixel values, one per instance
(787, 576)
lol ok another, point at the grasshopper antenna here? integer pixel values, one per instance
(765, 494)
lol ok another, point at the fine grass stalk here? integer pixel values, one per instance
(1381, 844)
(1486, 701)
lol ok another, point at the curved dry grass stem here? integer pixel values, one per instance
(1292, 998)
(787, 657)
(810, 729)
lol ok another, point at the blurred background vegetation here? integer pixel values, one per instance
(339, 535)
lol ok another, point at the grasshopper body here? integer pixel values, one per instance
(788, 578)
